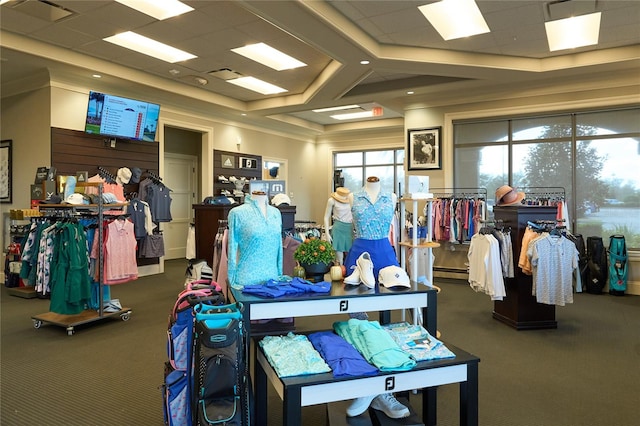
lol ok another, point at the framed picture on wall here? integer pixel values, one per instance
(6, 184)
(424, 149)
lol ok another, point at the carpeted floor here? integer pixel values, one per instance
(587, 372)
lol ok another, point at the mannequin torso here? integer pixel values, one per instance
(261, 201)
(255, 242)
(373, 211)
(372, 188)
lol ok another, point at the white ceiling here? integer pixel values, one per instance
(331, 37)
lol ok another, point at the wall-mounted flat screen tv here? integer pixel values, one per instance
(121, 117)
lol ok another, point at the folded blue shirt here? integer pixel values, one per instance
(340, 355)
(263, 290)
(309, 287)
(273, 288)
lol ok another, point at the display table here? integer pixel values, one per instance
(302, 391)
(343, 299)
(297, 392)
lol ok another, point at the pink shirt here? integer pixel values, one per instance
(120, 252)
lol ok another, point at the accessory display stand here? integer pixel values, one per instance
(88, 315)
(519, 309)
(407, 246)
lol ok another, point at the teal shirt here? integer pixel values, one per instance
(255, 244)
(375, 344)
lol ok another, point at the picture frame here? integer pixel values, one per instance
(6, 172)
(424, 149)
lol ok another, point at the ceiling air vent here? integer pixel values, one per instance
(224, 74)
(43, 9)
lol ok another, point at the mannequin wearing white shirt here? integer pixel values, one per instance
(338, 222)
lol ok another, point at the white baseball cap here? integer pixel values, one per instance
(279, 199)
(123, 176)
(76, 199)
(394, 276)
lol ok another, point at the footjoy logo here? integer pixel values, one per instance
(344, 305)
(389, 383)
(218, 338)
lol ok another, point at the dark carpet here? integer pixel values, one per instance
(586, 372)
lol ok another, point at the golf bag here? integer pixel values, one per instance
(222, 382)
(178, 386)
(583, 265)
(617, 265)
(597, 265)
(198, 270)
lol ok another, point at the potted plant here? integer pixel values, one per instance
(316, 257)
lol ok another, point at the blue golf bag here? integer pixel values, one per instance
(618, 266)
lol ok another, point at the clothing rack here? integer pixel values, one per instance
(550, 193)
(308, 229)
(88, 315)
(451, 257)
(479, 193)
(106, 175)
(520, 309)
(488, 224)
(153, 176)
(554, 227)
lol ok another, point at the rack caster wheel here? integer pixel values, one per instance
(37, 324)
(70, 331)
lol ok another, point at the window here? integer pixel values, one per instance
(355, 167)
(594, 156)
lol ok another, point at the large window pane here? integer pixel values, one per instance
(348, 159)
(378, 157)
(608, 189)
(541, 128)
(543, 165)
(385, 174)
(482, 167)
(609, 122)
(352, 178)
(493, 131)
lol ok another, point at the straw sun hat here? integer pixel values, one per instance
(508, 196)
(341, 195)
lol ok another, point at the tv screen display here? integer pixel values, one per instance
(121, 117)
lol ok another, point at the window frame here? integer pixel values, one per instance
(573, 138)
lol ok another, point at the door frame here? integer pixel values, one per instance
(205, 168)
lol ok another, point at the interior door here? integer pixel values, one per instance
(180, 175)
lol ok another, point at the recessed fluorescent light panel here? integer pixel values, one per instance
(257, 85)
(147, 46)
(158, 9)
(352, 115)
(573, 32)
(338, 108)
(455, 18)
(267, 55)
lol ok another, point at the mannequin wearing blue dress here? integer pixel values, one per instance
(373, 212)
